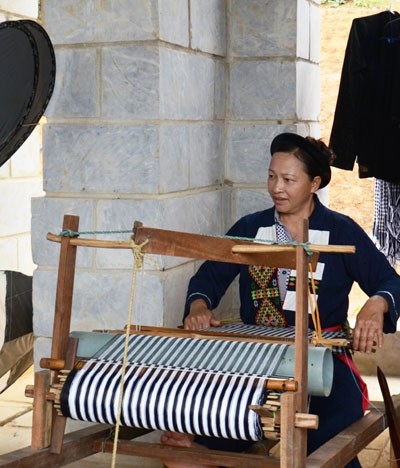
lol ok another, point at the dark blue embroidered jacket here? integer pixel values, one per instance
(368, 267)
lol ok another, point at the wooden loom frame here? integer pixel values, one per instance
(51, 448)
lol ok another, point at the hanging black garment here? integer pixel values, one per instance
(390, 86)
(27, 76)
(16, 336)
(360, 130)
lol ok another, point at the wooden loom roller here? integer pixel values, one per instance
(267, 416)
(276, 384)
(293, 441)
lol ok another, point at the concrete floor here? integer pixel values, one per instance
(16, 425)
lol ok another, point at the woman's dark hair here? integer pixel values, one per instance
(314, 154)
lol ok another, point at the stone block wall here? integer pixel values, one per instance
(135, 132)
(163, 112)
(274, 87)
(20, 176)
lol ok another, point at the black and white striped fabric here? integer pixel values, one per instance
(386, 225)
(192, 385)
(255, 358)
(278, 332)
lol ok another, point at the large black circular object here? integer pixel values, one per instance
(27, 76)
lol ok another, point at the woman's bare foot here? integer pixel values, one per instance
(176, 439)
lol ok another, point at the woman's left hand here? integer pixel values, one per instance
(368, 330)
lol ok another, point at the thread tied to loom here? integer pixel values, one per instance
(72, 233)
(138, 254)
(305, 245)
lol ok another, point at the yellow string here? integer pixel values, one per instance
(314, 307)
(138, 257)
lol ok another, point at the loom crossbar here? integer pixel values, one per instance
(182, 244)
(188, 245)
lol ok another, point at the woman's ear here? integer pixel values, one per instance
(316, 183)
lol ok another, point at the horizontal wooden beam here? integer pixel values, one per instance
(77, 445)
(188, 245)
(95, 243)
(348, 249)
(188, 454)
(345, 446)
(197, 246)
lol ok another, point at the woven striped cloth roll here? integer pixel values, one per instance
(190, 401)
(192, 385)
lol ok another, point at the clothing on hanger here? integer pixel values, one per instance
(386, 226)
(364, 129)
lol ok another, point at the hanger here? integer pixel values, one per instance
(390, 8)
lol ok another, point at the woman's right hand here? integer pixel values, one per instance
(200, 316)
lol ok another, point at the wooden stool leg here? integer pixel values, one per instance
(392, 460)
(42, 411)
(392, 418)
(288, 436)
(60, 421)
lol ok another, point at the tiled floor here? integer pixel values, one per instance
(16, 416)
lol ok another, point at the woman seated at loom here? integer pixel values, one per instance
(299, 167)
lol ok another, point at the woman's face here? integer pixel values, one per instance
(289, 185)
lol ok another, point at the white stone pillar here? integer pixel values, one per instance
(135, 132)
(274, 88)
(163, 112)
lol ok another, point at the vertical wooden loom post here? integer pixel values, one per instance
(62, 315)
(43, 420)
(294, 440)
(65, 286)
(41, 411)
